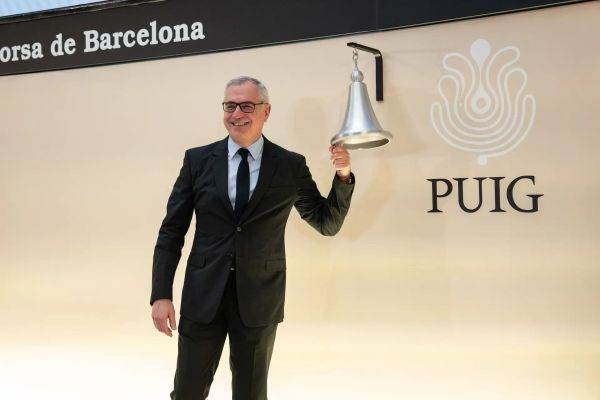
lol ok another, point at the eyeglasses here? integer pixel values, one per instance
(247, 106)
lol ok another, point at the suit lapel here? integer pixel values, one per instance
(268, 165)
(220, 169)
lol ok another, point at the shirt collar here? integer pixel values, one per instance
(255, 148)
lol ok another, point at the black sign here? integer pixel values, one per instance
(183, 27)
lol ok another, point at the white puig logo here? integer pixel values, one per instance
(485, 111)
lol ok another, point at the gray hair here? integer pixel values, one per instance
(262, 89)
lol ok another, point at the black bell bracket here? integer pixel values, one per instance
(378, 68)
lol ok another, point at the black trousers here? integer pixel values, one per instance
(200, 347)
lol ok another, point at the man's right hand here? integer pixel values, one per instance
(163, 310)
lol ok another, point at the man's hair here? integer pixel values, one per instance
(262, 89)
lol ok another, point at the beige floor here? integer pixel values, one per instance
(80, 357)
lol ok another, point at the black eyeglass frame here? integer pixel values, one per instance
(240, 106)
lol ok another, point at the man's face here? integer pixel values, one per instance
(245, 128)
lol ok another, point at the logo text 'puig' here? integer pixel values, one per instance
(441, 187)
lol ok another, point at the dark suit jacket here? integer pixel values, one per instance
(254, 244)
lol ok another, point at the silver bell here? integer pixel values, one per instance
(360, 129)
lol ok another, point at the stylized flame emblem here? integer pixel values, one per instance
(483, 109)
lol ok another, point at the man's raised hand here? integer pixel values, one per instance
(340, 159)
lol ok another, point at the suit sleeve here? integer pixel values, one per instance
(326, 215)
(171, 234)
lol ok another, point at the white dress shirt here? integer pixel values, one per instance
(254, 158)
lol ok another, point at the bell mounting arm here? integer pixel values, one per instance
(378, 67)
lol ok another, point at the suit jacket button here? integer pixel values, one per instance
(239, 228)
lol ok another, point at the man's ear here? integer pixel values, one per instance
(267, 111)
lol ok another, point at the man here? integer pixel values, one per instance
(242, 189)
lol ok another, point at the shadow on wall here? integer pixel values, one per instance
(311, 122)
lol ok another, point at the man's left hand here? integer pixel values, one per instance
(341, 161)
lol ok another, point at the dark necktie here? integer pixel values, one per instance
(242, 183)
